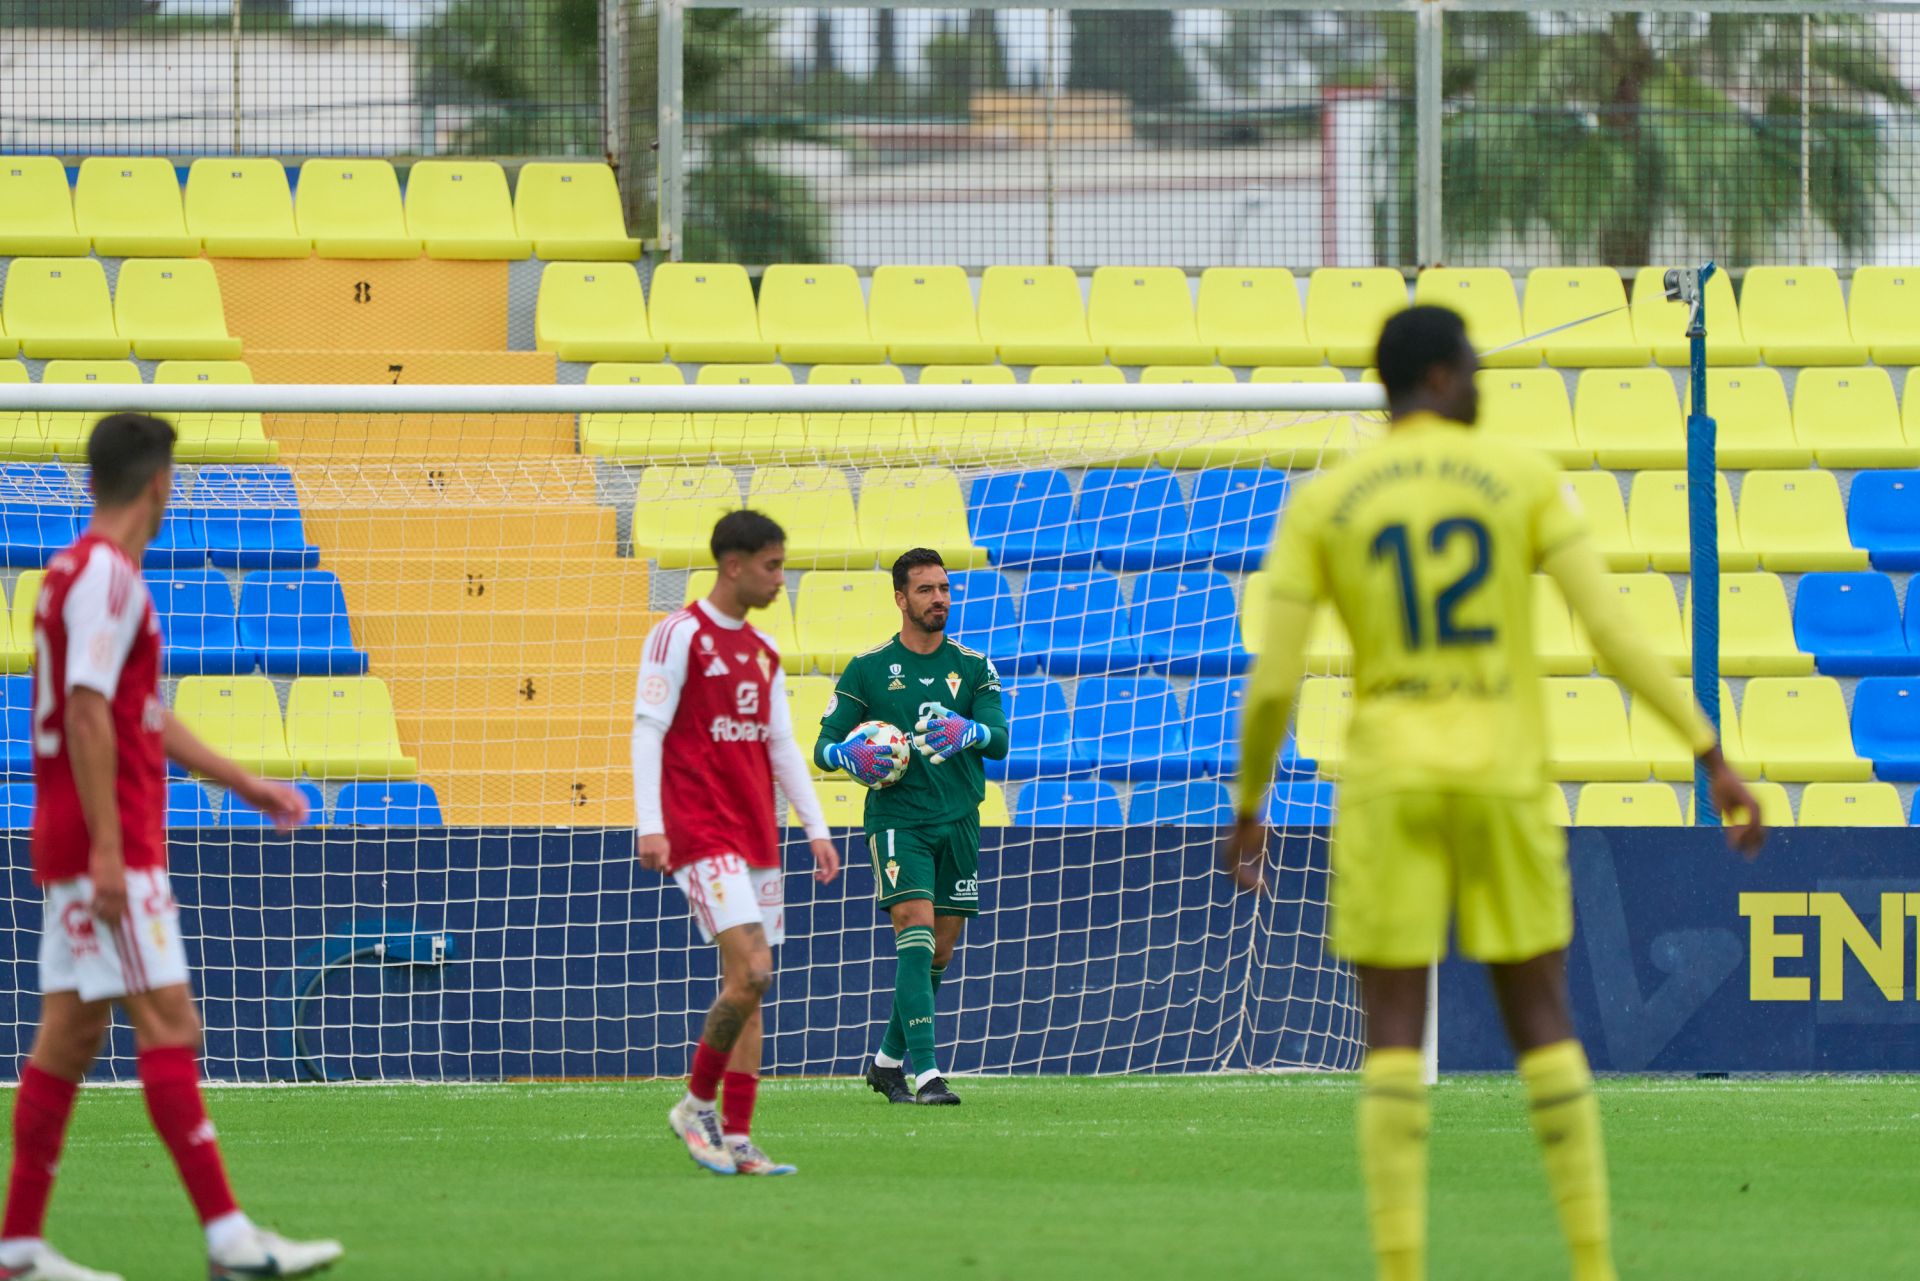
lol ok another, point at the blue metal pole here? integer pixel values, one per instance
(1703, 512)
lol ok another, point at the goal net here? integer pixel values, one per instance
(426, 605)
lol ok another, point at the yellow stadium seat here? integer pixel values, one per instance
(1035, 316)
(972, 438)
(840, 614)
(775, 619)
(1561, 650)
(859, 436)
(1883, 311)
(1797, 316)
(807, 698)
(21, 435)
(1776, 807)
(67, 430)
(842, 803)
(36, 209)
(461, 209)
(1647, 601)
(1598, 494)
(1252, 316)
(1321, 719)
(1627, 805)
(239, 717)
(572, 211)
(704, 311)
(1850, 805)
(1556, 803)
(15, 657)
(343, 727)
(1796, 727)
(817, 315)
(243, 208)
(1329, 648)
(1794, 520)
(993, 808)
(674, 510)
(593, 311)
(9, 345)
(917, 507)
(1756, 627)
(214, 438)
(1657, 519)
(19, 623)
(1346, 307)
(1630, 418)
(1850, 419)
(352, 209)
(1587, 739)
(925, 315)
(130, 208)
(1559, 296)
(1485, 299)
(1304, 440)
(1144, 316)
(815, 506)
(668, 437)
(1662, 325)
(169, 309)
(59, 307)
(1158, 436)
(750, 438)
(1753, 421)
(1530, 408)
(1104, 438)
(1659, 743)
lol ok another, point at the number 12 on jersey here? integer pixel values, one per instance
(1398, 544)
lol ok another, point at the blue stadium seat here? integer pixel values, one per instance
(16, 720)
(1135, 518)
(1199, 803)
(1188, 622)
(1850, 623)
(41, 484)
(1213, 728)
(252, 518)
(1883, 516)
(390, 804)
(1042, 743)
(984, 618)
(1234, 511)
(1025, 519)
(31, 534)
(1067, 802)
(188, 805)
(1129, 727)
(237, 813)
(296, 620)
(1301, 802)
(1075, 623)
(181, 543)
(16, 805)
(1886, 726)
(200, 624)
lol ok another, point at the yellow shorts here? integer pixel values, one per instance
(1404, 863)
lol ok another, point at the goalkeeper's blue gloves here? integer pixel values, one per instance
(945, 734)
(867, 761)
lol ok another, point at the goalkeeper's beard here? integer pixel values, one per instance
(933, 622)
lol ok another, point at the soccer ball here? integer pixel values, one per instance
(886, 734)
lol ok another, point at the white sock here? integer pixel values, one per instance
(920, 1082)
(227, 1229)
(698, 1105)
(735, 1138)
(18, 1252)
(882, 1059)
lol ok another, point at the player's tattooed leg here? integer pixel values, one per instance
(747, 963)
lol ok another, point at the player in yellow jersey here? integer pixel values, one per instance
(1426, 545)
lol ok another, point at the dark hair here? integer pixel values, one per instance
(125, 452)
(911, 560)
(1414, 341)
(744, 531)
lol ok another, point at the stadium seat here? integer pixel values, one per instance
(188, 805)
(1252, 316)
(343, 727)
(1657, 742)
(21, 435)
(1558, 812)
(461, 209)
(1320, 720)
(38, 519)
(1129, 727)
(840, 614)
(775, 619)
(842, 803)
(1657, 519)
(1578, 296)
(221, 437)
(807, 699)
(1075, 623)
(816, 315)
(16, 718)
(1170, 437)
(242, 207)
(36, 209)
(352, 209)
(749, 438)
(1234, 513)
(593, 311)
(1850, 623)
(1101, 439)
(237, 813)
(705, 312)
(572, 211)
(1189, 803)
(1883, 312)
(386, 804)
(19, 620)
(1849, 418)
(1756, 627)
(181, 543)
(296, 620)
(1144, 316)
(252, 518)
(925, 315)
(67, 430)
(1187, 623)
(1630, 418)
(1530, 407)
(130, 208)
(1886, 726)
(1587, 735)
(1044, 743)
(1067, 802)
(1797, 317)
(1776, 807)
(916, 507)
(993, 807)
(1346, 307)
(1794, 521)
(1627, 805)
(169, 309)
(1135, 519)
(59, 307)
(860, 437)
(1663, 325)
(1035, 316)
(1562, 651)
(1598, 493)
(1485, 299)
(1300, 802)
(1753, 421)
(668, 437)
(1796, 727)
(1213, 728)
(984, 618)
(239, 717)
(967, 439)
(1024, 520)
(1647, 601)
(815, 507)
(1851, 805)
(200, 624)
(674, 510)
(1883, 515)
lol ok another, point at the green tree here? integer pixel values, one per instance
(963, 60)
(527, 73)
(1130, 52)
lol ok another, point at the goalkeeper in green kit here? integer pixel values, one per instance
(923, 831)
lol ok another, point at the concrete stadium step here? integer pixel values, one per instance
(547, 798)
(525, 531)
(367, 305)
(484, 584)
(545, 770)
(456, 484)
(525, 692)
(557, 640)
(359, 437)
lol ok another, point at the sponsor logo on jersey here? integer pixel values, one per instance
(953, 683)
(77, 918)
(765, 665)
(926, 680)
(893, 669)
(896, 683)
(706, 643)
(716, 666)
(893, 872)
(739, 658)
(725, 729)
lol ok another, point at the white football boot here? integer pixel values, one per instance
(749, 1159)
(261, 1253)
(48, 1264)
(699, 1129)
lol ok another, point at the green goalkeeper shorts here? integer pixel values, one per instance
(939, 861)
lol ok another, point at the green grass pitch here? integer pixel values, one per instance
(1210, 1177)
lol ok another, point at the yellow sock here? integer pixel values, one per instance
(1566, 1121)
(1394, 1120)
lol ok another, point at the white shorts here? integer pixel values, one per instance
(724, 892)
(79, 953)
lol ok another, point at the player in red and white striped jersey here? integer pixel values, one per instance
(711, 733)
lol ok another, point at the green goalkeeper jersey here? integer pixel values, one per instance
(896, 685)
